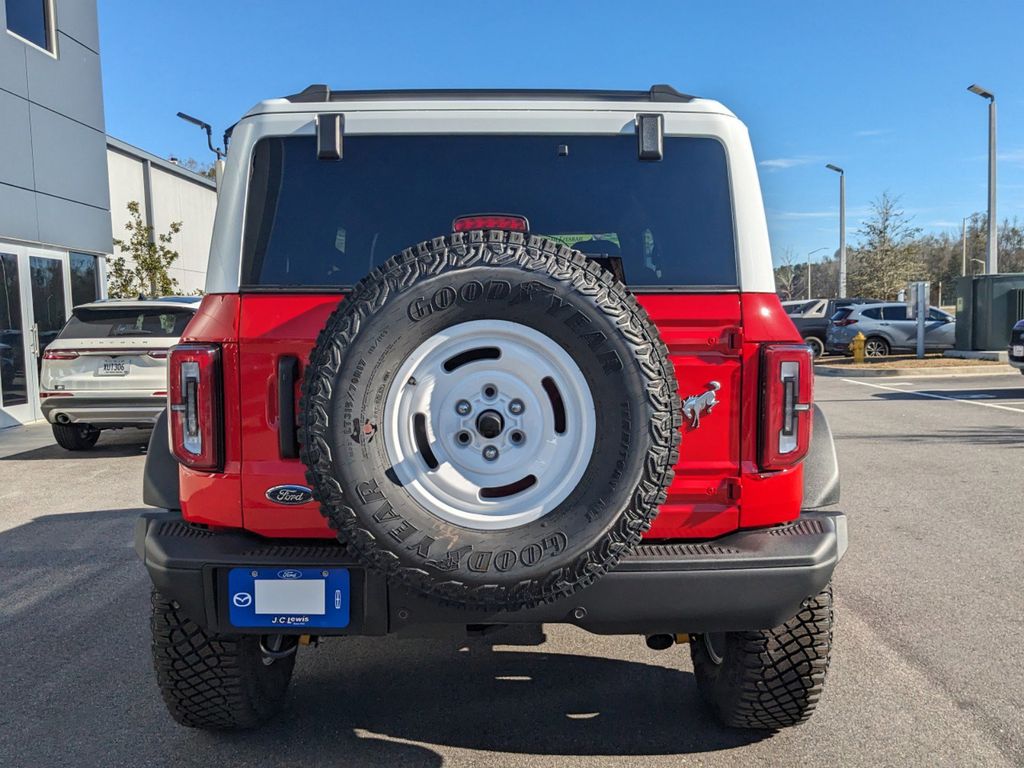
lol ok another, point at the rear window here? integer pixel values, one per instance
(314, 223)
(875, 313)
(895, 312)
(841, 314)
(800, 307)
(111, 323)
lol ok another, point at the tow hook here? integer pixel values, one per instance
(274, 647)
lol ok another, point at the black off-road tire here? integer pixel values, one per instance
(75, 437)
(214, 682)
(486, 276)
(769, 679)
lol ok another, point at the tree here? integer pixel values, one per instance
(888, 257)
(785, 274)
(209, 170)
(142, 267)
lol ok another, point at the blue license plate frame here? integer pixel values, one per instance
(242, 597)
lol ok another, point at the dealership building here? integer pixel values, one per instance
(65, 185)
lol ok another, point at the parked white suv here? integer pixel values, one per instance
(107, 368)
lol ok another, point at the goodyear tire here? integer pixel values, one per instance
(490, 419)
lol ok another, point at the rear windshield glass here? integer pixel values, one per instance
(316, 223)
(111, 323)
(800, 307)
(841, 314)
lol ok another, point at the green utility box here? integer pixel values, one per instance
(987, 306)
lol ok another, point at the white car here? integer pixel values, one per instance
(107, 368)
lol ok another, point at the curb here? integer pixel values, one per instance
(958, 370)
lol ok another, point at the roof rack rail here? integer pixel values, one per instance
(320, 93)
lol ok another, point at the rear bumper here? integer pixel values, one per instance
(746, 580)
(119, 411)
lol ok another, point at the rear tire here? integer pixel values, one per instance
(768, 679)
(211, 681)
(876, 347)
(816, 345)
(75, 437)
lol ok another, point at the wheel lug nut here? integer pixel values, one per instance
(463, 407)
(490, 453)
(490, 391)
(516, 437)
(516, 407)
(463, 437)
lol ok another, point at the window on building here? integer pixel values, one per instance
(32, 20)
(85, 285)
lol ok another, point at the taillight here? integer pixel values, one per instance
(787, 384)
(60, 354)
(841, 323)
(491, 221)
(194, 401)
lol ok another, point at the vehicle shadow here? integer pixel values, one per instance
(114, 444)
(506, 700)
(74, 606)
(981, 394)
(1008, 436)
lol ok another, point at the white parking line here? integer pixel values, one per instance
(934, 396)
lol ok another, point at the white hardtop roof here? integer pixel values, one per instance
(320, 98)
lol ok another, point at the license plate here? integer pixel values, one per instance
(113, 368)
(1018, 350)
(289, 597)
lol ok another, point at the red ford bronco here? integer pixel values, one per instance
(471, 359)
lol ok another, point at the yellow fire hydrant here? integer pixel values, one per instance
(857, 347)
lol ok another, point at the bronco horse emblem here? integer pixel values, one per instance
(695, 405)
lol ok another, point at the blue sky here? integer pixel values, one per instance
(876, 87)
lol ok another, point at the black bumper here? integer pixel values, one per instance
(747, 580)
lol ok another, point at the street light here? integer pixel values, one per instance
(209, 133)
(842, 228)
(991, 252)
(809, 268)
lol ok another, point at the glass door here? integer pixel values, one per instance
(49, 300)
(17, 364)
(34, 301)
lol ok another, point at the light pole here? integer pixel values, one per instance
(991, 251)
(809, 268)
(963, 247)
(842, 228)
(218, 167)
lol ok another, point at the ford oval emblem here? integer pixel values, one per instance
(290, 494)
(289, 573)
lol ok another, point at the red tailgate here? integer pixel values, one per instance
(702, 332)
(273, 327)
(702, 335)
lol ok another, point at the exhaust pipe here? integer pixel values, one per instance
(63, 418)
(660, 642)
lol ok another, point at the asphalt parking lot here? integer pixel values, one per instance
(926, 668)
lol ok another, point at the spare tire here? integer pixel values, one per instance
(491, 419)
